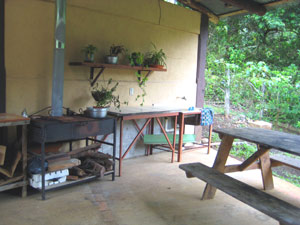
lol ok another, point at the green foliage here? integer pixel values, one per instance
(104, 95)
(294, 179)
(115, 50)
(243, 150)
(262, 55)
(155, 57)
(89, 49)
(136, 59)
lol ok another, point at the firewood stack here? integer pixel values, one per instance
(81, 162)
(92, 163)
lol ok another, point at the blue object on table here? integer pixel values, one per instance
(207, 117)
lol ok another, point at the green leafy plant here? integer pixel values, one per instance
(156, 57)
(104, 96)
(89, 51)
(115, 50)
(136, 59)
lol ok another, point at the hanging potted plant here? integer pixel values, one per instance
(114, 51)
(104, 97)
(136, 59)
(89, 52)
(156, 58)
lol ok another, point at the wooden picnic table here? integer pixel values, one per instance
(265, 140)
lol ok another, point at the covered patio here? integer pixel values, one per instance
(150, 191)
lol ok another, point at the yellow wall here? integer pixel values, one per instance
(29, 44)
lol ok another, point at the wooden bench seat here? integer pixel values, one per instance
(282, 160)
(152, 139)
(278, 209)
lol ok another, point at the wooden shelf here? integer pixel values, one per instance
(102, 66)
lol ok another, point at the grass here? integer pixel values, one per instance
(294, 179)
(244, 151)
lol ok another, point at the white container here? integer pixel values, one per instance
(51, 178)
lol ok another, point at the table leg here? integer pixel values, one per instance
(120, 147)
(181, 131)
(152, 131)
(24, 156)
(219, 164)
(266, 171)
(114, 149)
(209, 138)
(174, 137)
(43, 170)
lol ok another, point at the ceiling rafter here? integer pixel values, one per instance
(249, 5)
(271, 4)
(200, 8)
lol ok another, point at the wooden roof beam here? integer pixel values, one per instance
(248, 5)
(200, 8)
(270, 4)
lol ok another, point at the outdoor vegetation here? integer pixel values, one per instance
(253, 65)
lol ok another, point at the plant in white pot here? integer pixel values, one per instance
(89, 52)
(104, 97)
(114, 51)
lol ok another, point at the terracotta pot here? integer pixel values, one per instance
(157, 66)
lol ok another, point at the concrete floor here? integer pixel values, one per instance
(151, 191)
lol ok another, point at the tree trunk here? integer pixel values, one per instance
(227, 94)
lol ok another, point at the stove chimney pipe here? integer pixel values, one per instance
(58, 65)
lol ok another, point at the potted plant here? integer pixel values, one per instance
(156, 58)
(89, 52)
(136, 59)
(104, 97)
(114, 51)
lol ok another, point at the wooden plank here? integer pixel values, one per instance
(236, 168)
(78, 150)
(278, 209)
(61, 165)
(12, 185)
(11, 180)
(268, 138)
(2, 154)
(255, 156)
(219, 164)
(266, 171)
(283, 160)
(7, 119)
(10, 171)
(116, 66)
(2, 61)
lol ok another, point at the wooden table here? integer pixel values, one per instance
(265, 140)
(7, 120)
(150, 114)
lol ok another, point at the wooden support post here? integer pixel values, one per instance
(266, 171)
(3, 130)
(219, 164)
(201, 61)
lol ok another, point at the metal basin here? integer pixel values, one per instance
(96, 112)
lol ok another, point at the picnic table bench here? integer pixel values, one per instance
(282, 211)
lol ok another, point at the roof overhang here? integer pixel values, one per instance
(216, 9)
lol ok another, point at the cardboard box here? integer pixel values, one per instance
(2, 154)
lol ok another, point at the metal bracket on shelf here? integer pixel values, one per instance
(93, 80)
(146, 76)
